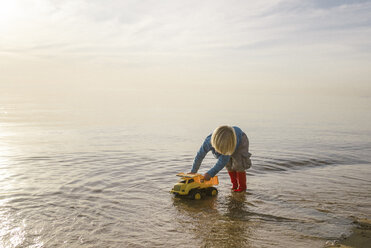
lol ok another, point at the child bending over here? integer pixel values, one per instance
(230, 146)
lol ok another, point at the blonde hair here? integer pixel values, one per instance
(224, 140)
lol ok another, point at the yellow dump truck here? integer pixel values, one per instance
(195, 186)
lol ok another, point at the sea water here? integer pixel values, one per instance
(96, 170)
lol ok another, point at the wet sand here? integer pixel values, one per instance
(360, 237)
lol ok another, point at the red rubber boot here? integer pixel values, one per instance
(233, 176)
(241, 178)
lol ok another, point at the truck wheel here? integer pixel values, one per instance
(212, 191)
(196, 194)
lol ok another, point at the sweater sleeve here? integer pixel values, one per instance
(204, 149)
(222, 162)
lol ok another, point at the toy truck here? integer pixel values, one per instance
(194, 186)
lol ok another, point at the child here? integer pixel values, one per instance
(230, 146)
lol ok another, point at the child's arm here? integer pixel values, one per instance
(222, 161)
(204, 149)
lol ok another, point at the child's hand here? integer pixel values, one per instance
(207, 177)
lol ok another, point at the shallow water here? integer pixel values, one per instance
(77, 175)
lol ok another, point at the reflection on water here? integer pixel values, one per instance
(214, 226)
(69, 183)
(300, 208)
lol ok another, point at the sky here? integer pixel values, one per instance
(256, 46)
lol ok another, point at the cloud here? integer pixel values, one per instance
(282, 37)
(142, 26)
(182, 27)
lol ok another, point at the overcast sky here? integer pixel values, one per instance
(118, 44)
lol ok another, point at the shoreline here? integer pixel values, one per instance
(360, 237)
